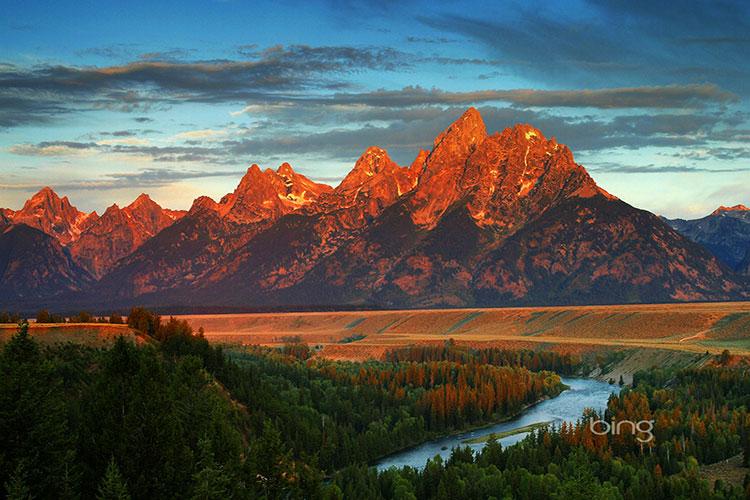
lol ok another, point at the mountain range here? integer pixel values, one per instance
(478, 220)
(725, 232)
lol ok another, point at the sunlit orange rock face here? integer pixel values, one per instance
(267, 195)
(182, 254)
(439, 182)
(55, 216)
(119, 232)
(480, 219)
(374, 183)
(491, 219)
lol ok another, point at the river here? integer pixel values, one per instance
(568, 406)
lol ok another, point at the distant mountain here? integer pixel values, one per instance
(480, 219)
(86, 241)
(119, 232)
(725, 232)
(34, 266)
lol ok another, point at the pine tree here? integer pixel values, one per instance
(113, 485)
(16, 488)
(21, 348)
(211, 481)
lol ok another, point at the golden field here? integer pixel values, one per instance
(90, 334)
(356, 335)
(693, 327)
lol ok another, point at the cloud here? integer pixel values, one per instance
(657, 169)
(193, 135)
(41, 93)
(717, 40)
(151, 177)
(129, 141)
(661, 97)
(53, 148)
(715, 153)
(284, 130)
(175, 54)
(602, 41)
(430, 40)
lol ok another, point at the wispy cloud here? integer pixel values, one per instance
(145, 178)
(658, 97)
(651, 168)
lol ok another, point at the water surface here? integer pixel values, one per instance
(568, 407)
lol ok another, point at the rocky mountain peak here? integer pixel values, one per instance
(267, 195)
(467, 131)
(285, 170)
(417, 166)
(203, 203)
(119, 232)
(373, 162)
(375, 182)
(722, 210)
(53, 215)
(143, 200)
(518, 174)
(438, 185)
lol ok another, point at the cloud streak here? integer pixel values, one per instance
(145, 178)
(657, 97)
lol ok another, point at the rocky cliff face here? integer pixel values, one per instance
(180, 255)
(119, 232)
(55, 216)
(267, 195)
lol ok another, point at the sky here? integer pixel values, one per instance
(105, 100)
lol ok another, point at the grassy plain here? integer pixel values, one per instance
(691, 327)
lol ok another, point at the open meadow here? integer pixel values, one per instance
(693, 327)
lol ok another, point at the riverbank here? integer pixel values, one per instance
(635, 360)
(501, 435)
(567, 406)
(472, 428)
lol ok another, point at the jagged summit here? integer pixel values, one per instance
(736, 208)
(142, 200)
(374, 161)
(468, 130)
(266, 195)
(203, 203)
(285, 170)
(375, 182)
(53, 215)
(502, 175)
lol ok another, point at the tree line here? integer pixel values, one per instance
(181, 418)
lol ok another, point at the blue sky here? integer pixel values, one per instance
(104, 100)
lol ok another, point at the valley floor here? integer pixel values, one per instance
(692, 327)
